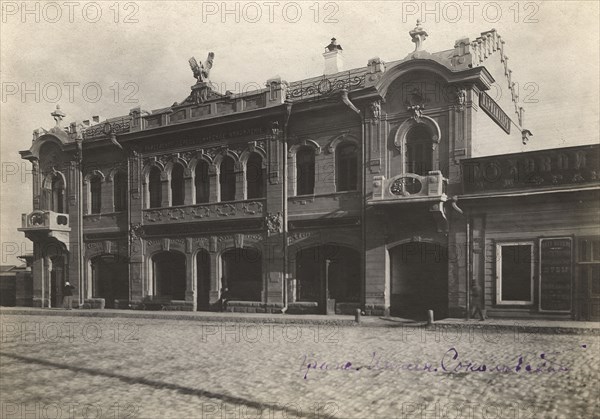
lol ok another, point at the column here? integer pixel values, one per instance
(214, 193)
(165, 190)
(240, 179)
(190, 191)
(134, 208)
(215, 280)
(190, 282)
(274, 268)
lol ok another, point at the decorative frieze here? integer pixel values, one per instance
(325, 86)
(204, 212)
(237, 148)
(298, 236)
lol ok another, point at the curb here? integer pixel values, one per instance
(188, 317)
(517, 326)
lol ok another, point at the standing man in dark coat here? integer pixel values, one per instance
(68, 296)
(476, 293)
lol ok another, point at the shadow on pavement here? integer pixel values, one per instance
(162, 385)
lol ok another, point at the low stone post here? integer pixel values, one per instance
(357, 316)
(429, 317)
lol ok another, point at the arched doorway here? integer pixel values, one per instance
(242, 274)
(203, 280)
(328, 272)
(419, 280)
(110, 280)
(169, 275)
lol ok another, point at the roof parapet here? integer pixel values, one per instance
(468, 54)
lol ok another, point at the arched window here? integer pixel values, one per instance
(120, 191)
(177, 185)
(154, 188)
(202, 182)
(346, 166)
(96, 194)
(255, 179)
(418, 157)
(227, 179)
(305, 171)
(58, 195)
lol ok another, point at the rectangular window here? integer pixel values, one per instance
(588, 279)
(555, 272)
(514, 273)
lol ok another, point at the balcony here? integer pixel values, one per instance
(409, 188)
(44, 220)
(39, 225)
(234, 210)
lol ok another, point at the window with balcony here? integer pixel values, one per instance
(305, 171)
(346, 166)
(255, 177)
(57, 197)
(418, 156)
(154, 188)
(202, 182)
(177, 185)
(96, 195)
(120, 191)
(227, 179)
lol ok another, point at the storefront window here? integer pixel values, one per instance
(514, 271)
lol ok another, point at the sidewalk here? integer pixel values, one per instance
(492, 325)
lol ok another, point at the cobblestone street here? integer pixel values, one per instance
(65, 367)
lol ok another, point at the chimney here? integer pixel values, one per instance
(334, 59)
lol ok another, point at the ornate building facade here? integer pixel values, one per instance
(354, 189)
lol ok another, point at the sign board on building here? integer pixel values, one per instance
(494, 111)
(556, 273)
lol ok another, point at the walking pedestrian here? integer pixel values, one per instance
(68, 296)
(476, 300)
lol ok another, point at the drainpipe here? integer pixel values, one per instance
(284, 148)
(82, 274)
(468, 265)
(468, 272)
(363, 188)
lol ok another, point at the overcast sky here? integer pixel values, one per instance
(104, 58)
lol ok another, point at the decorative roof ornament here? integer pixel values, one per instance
(333, 46)
(201, 90)
(202, 71)
(58, 115)
(418, 35)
